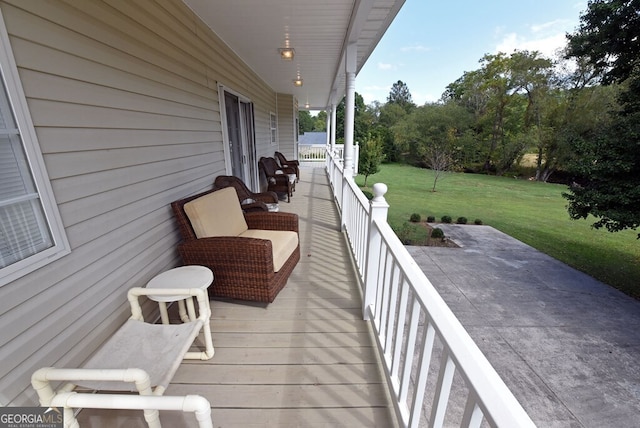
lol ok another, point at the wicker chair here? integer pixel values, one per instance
(276, 182)
(249, 200)
(285, 163)
(243, 267)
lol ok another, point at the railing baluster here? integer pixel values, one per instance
(472, 417)
(443, 389)
(384, 307)
(410, 350)
(400, 327)
(393, 305)
(426, 352)
(384, 255)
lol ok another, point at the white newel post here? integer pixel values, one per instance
(378, 209)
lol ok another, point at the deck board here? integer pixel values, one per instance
(307, 359)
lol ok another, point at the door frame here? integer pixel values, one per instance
(247, 130)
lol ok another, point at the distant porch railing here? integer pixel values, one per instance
(318, 153)
(434, 370)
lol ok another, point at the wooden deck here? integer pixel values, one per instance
(306, 360)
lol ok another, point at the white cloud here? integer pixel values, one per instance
(385, 66)
(547, 46)
(420, 99)
(372, 93)
(369, 97)
(546, 37)
(554, 26)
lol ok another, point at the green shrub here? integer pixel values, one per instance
(431, 219)
(437, 233)
(477, 221)
(461, 220)
(446, 219)
(368, 194)
(415, 218)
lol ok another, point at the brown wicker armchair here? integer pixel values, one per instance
(249, 200)
(279, 183)
(244, 267)
(286, 163)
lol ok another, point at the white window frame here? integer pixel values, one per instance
(273, 126)
(27, 133)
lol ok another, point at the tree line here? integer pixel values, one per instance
(577, 115)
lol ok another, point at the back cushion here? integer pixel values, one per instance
(216, 214)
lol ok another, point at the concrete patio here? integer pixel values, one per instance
(565, 344)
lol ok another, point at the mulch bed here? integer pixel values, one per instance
(434, 242)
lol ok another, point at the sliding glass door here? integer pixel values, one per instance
(240, 138)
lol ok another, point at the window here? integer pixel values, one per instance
(274, 129)
(31, 233)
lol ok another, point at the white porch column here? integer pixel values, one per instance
(349, 116)
(328, 128)
(333, 126)
(349, 107)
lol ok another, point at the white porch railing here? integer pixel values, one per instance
(318, 153)
(435, 372)
(312, 152)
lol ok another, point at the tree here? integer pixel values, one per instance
(400, 95)
(496, 95)
(320, 122)
(533, 75)
(440, 160)
(371, 156)
(360, 125)
(608, 38)
(608, 163)
(431, 135)
(305, 121)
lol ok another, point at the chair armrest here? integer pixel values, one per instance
(41, 378)
(272, 221)
(266, 197)
(288, 170)
(255, 206)
(281, 179)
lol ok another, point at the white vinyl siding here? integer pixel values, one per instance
(287, 112)
(123, 98)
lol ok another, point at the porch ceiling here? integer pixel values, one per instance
(318, 31)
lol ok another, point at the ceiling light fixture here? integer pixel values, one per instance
(297, 82)
(287, 53)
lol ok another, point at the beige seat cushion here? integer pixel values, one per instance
(283, 243)
(216, 214)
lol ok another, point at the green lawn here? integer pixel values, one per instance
(534, 213)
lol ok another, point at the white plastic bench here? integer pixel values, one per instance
(140, 357)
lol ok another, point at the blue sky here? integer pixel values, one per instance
(432, 43)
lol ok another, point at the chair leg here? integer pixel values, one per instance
(164, 315)
(153, 418)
